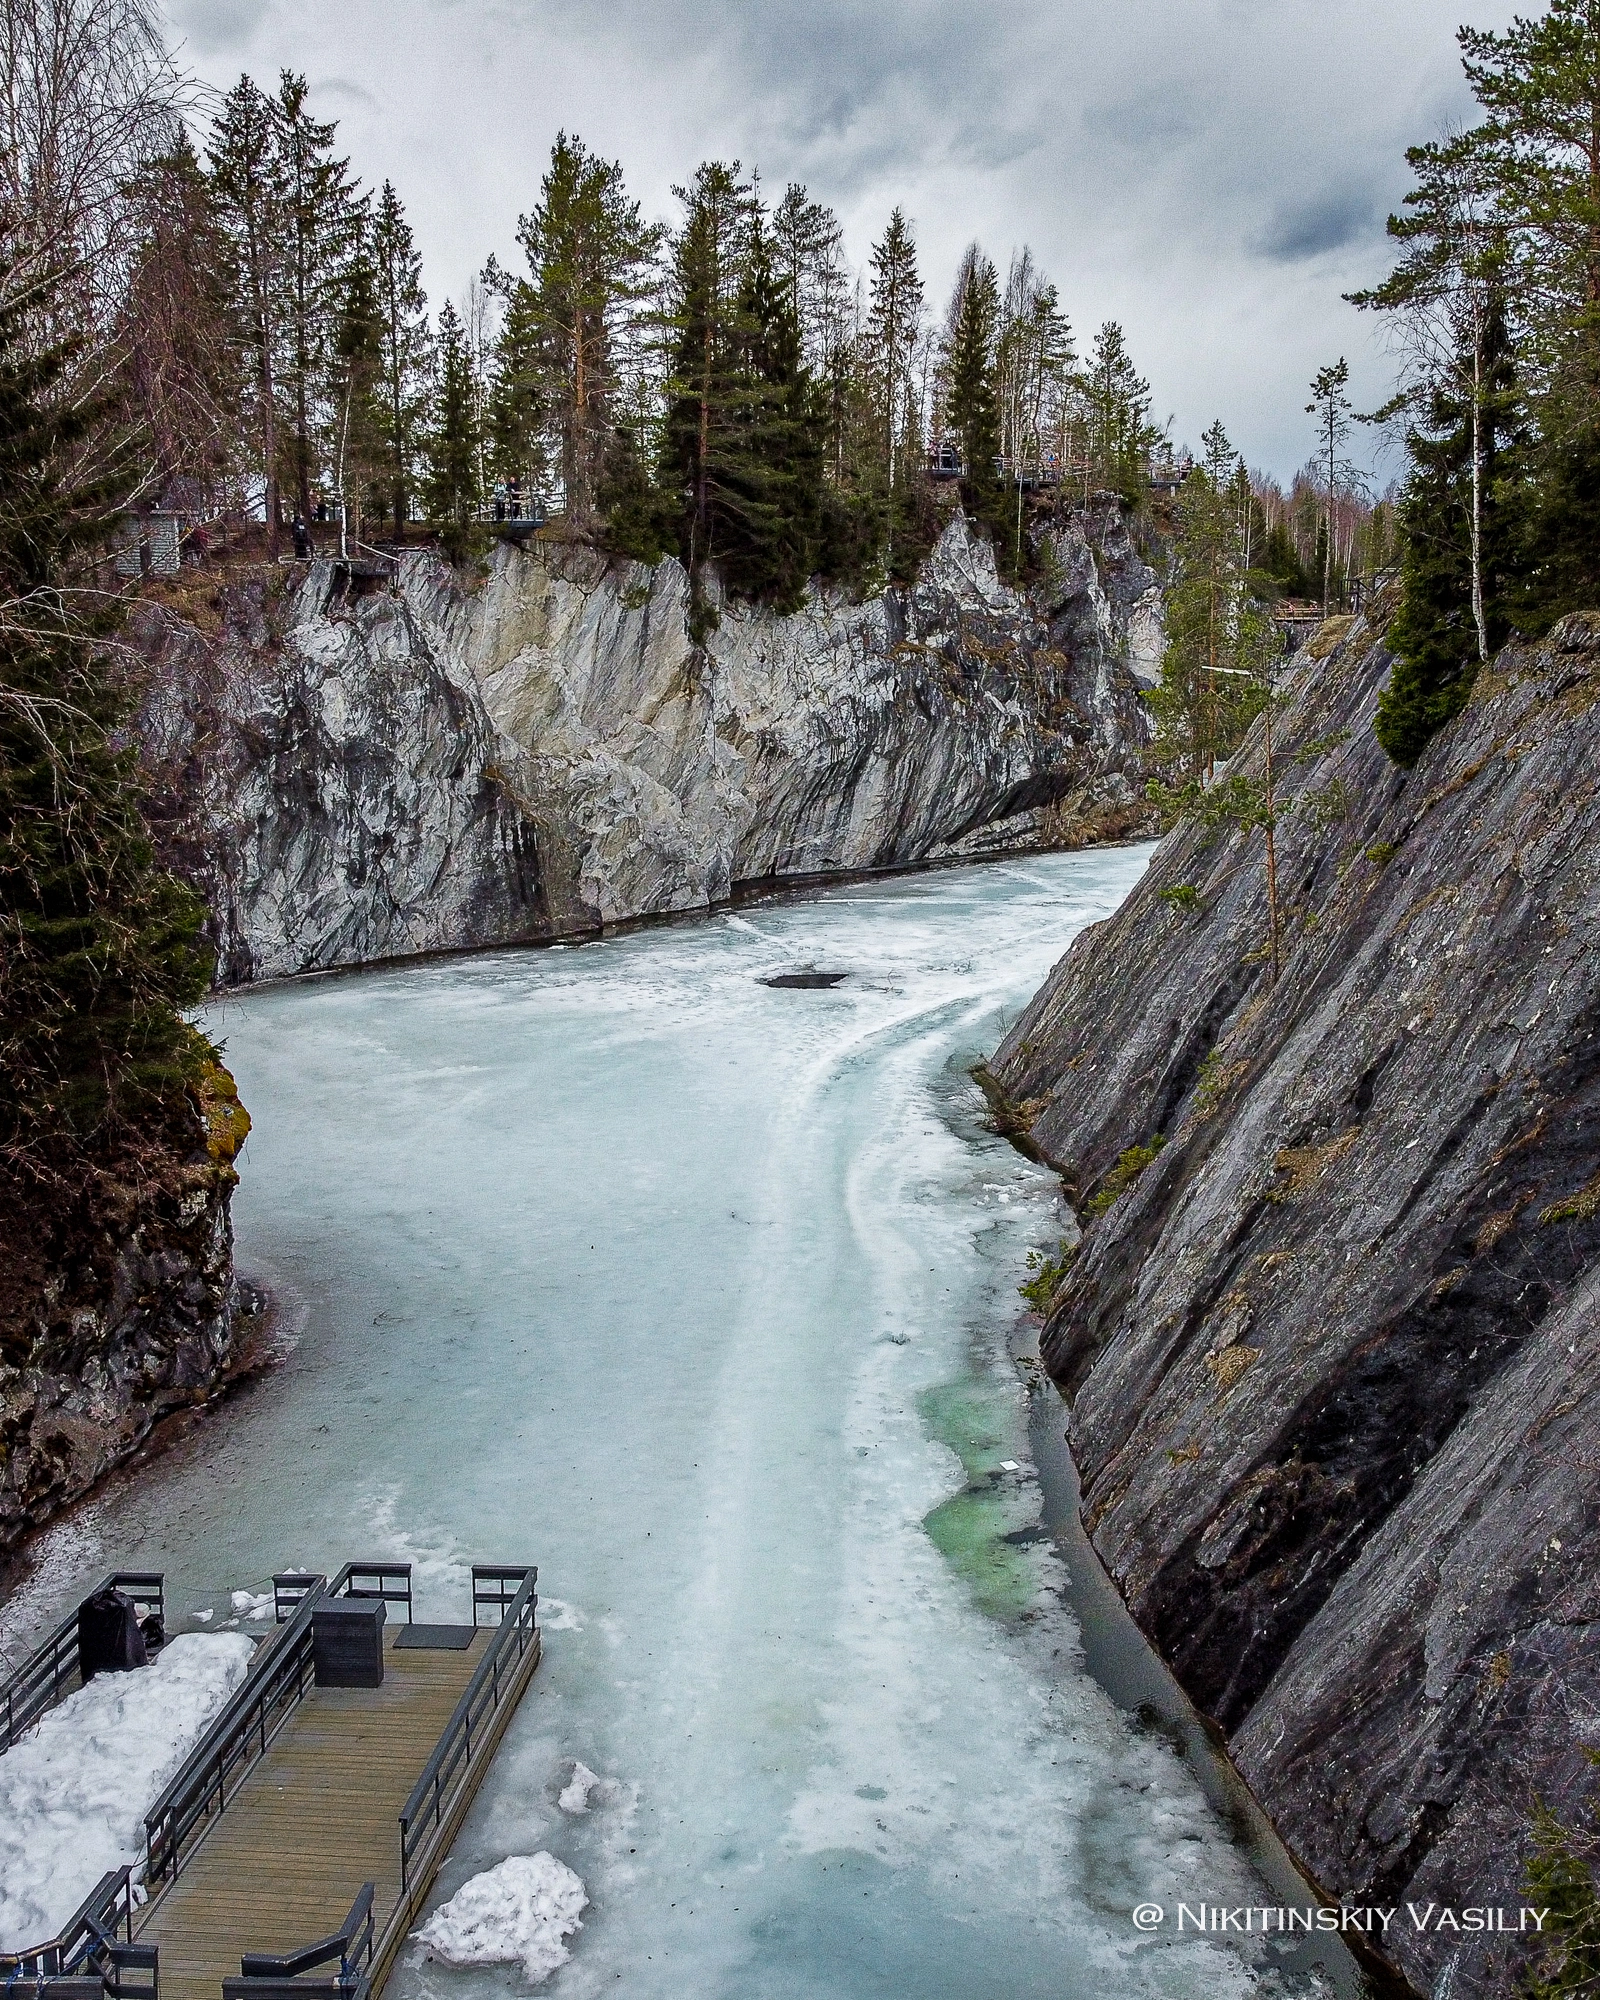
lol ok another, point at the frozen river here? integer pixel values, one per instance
(698, 1293)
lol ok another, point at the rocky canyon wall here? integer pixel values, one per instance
(1328, 1344)
(351, 772)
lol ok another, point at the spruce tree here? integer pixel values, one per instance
(452, 476)
(99, 949)
(404, 348)
(709, 259)
(1120, 435)
(322, 225)
(1218, 633)
(361, 456)
(248, 188)
(766, 469)
(894, 329)
(1441, 634)
(808, 256)
(972, 406)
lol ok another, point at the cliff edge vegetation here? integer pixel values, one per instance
(117, 1124)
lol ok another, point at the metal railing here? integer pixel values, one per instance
(50, 1673)
(87, 1959)
(272, 1976)
(374, 1579)
(277, 1682)
(452, 1756)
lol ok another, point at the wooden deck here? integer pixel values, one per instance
(317, 1817)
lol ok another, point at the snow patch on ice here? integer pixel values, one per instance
(440, 1572)
(250, 1604)
(557, 1615)
(519, 1912)
(74, 1792)
(586, 1788)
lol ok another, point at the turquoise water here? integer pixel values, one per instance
(696, 1293)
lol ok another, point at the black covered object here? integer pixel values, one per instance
(155, 1633)
(347, 1642)
(109, 1639)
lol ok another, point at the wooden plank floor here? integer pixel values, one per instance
(314, 1819)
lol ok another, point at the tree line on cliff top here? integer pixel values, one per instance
(202, 308)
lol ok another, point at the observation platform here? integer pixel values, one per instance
(294, 1851)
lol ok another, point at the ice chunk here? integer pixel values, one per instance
(575, 1796)
(518, 1913)
(74, 1792)
(246, 1604)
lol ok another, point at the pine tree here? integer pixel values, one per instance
(971, 400)
(247, 184)
(452, 476)
(1332, 409)
(590, 262)
(99, 950)
(404, 347)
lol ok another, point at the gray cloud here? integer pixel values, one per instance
(216, 27)
(1321, 222)
(1213, 173)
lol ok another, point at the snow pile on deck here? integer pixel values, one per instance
(75, 1790)
(517, 1913)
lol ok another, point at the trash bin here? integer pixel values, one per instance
(109, 1639)
(347, 1642)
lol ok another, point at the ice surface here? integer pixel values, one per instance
(695, 1292)
(517, 1913)
(74, 1792)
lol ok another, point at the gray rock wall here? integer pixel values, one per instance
(117, 1303)
(542, 750)
(1329, 1358)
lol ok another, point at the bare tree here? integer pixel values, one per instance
(89, 97)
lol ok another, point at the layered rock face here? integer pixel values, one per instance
(1329, 1355)
(543, 750)
(117, 1303)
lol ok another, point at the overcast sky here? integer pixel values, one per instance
(1213, 173)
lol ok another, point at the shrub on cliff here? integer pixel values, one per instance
(99, 949)
(1561, 1881)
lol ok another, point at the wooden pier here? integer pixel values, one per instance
(306, 1827)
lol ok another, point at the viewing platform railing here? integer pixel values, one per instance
(258, 1709)
(88, 1959)
(512, 1590)
(50, 1673)
(269, 1976)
